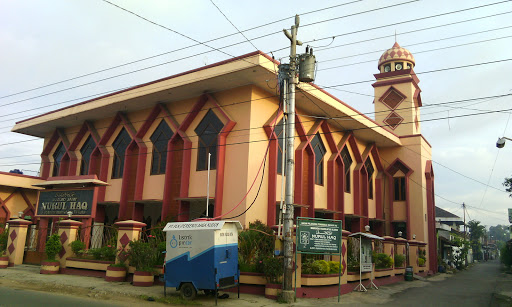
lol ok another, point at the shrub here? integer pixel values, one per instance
(421, 261)
(255, 244)
(107, 253)
(399, 260)
(506, 255)
(382, 261)
(3, 241)
(53, 246)
(334, 267)
(143, 256)
(273, 269)
(321, 267)
(78, 247)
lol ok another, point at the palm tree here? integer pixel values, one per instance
(477, 231)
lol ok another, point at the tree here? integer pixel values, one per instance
(477, 231)
(499, 233)
(508, 184)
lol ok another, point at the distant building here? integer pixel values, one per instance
(448, 228)
(143, 151)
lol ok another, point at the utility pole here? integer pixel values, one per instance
(464, 211)
(288, 293)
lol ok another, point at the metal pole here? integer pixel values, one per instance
(208, 185)
(288, 293)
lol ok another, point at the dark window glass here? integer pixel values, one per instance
(86, 152)
(370, 170)
(57, 158)
(399, 188)
(160, 138)
(278, 130)
(319, 150)
(207, 132)
(347, 161)
(120, 145)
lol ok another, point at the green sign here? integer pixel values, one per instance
(55, 203)
(317, 236)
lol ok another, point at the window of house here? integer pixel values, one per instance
(57, 158)
(207, 132)
(278, 130)
(120, 145)
(160, 138)
(319, 150)
(399, 188)
(370, 170)
(86, 152)
(347, 161)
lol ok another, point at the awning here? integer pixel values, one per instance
(71, 183)
(366, 235)
(147, 201)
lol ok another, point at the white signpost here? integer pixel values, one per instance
(365, 258)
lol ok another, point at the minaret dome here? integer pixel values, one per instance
(396, 58)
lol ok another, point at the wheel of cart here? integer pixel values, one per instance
(188, 291)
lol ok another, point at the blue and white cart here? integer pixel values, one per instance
(202, 256)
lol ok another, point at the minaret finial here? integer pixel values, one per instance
(395, 36)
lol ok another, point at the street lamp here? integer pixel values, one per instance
(501, 142)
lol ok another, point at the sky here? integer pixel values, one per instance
(57, 53)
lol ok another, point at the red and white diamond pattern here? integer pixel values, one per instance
(396, 53)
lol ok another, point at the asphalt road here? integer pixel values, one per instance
(22, 298)
(472, 287)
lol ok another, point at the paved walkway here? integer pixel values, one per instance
(472, 287)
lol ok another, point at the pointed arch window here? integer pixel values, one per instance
(278, 130)
(207, 132)
(399, 188)
(57, 158)
(319, 150)
(120, 145)
(370, 170)
(160, 138)
(86, 152)
(347, 161)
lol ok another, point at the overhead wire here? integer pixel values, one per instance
(189, 56)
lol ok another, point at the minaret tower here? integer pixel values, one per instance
(397, 94)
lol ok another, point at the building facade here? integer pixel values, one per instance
(144, 152)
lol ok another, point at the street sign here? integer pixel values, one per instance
(317, 236)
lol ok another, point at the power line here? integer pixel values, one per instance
(218, 49)
(248, 40)
(175, 50)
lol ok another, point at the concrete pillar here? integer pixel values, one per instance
(414, 255)
(68, 231)
(128, 231)
(16, 240)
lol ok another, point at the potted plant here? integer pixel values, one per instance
(143, 256)
(273, 271)
(52, 248)
(117, 271)
(4, 259)
(399, 260)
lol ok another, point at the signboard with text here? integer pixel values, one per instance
(59, 203)
(366, 255)
(317, 236)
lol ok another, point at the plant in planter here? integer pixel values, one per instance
(52, 248)
(382, 260)
(273, 270)
(143, 256)
(117, 271)
(78, 248)
(254, 245)
(399, 261)
(422, 257)
(4, 260)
